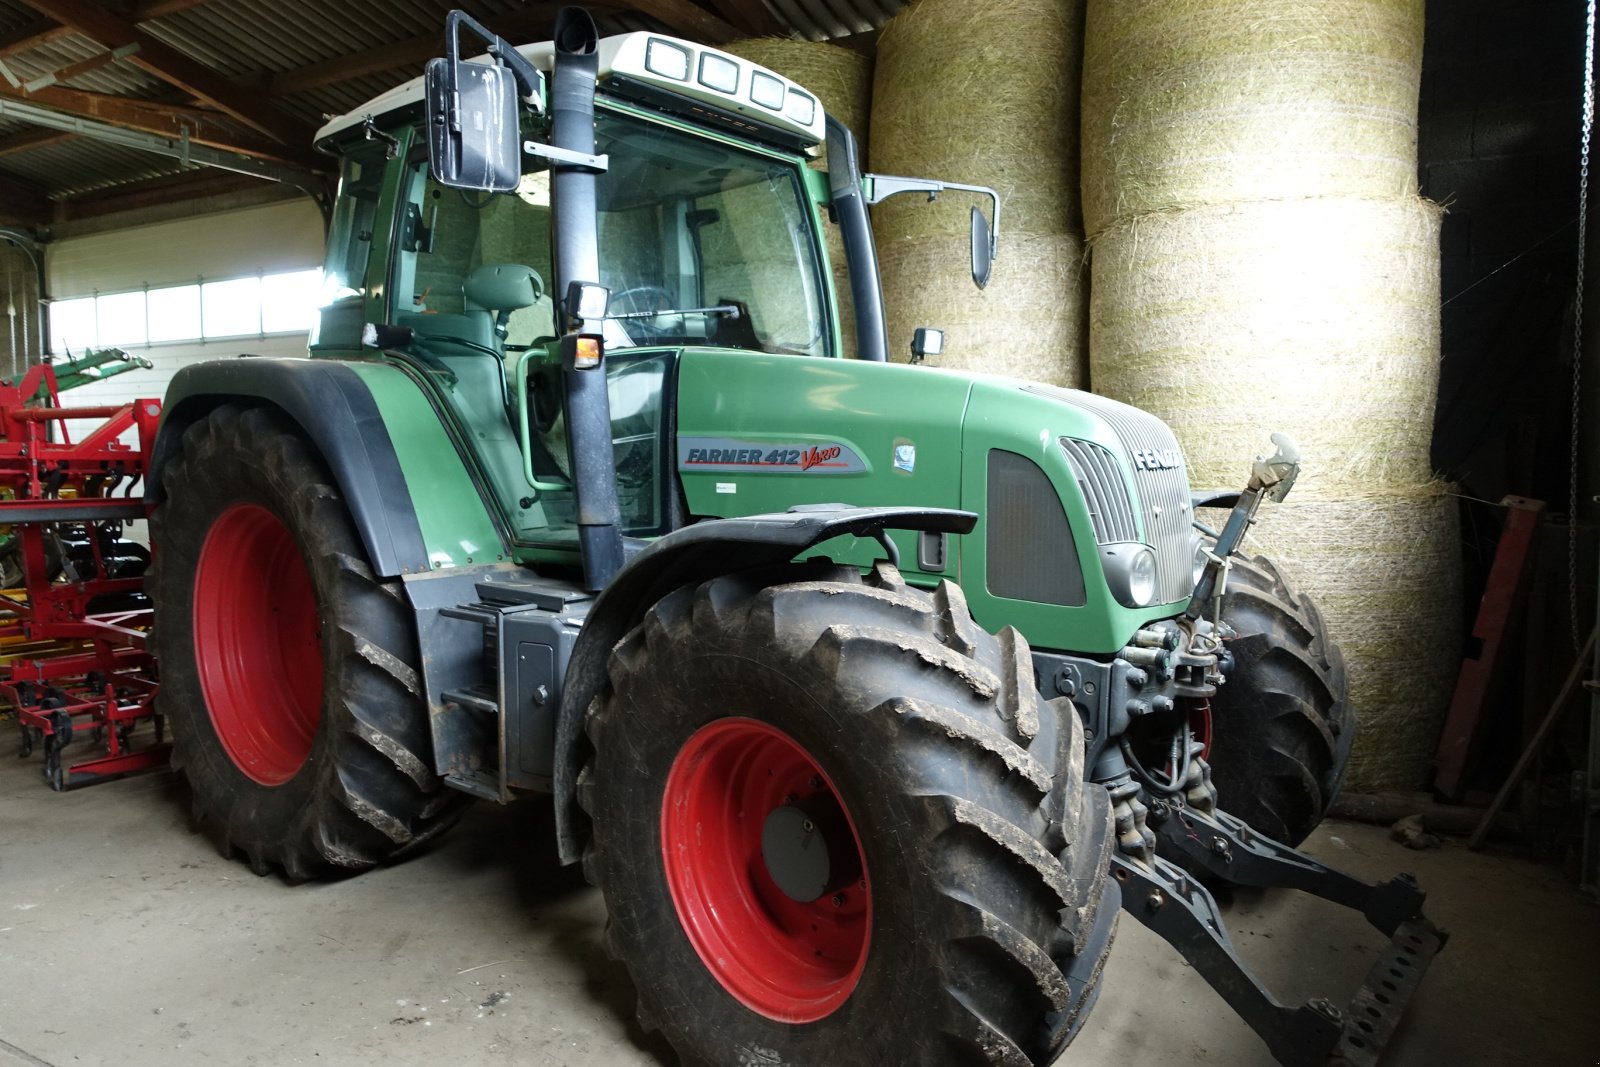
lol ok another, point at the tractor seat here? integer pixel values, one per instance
(504, 288)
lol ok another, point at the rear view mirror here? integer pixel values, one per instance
(985, 233)
(982, 249)
(473, 138)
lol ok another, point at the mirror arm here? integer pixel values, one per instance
(529, 80)
(880, 187)
(566, 157)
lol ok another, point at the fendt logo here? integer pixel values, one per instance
(1150, 459)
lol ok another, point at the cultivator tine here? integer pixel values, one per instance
(1173, 904)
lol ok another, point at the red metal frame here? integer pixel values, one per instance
(1501, 609)
(99, 677)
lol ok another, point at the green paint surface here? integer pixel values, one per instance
(456, 527)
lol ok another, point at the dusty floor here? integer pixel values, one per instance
(124, 939)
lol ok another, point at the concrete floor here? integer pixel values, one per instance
(125, 939)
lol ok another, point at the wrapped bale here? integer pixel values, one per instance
(955, 98)
(1386, 573)
(1320, 318)
(842, 80)
(1192, 102)
(1026, 323)
(1317, 317)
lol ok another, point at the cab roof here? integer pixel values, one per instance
(660, 66)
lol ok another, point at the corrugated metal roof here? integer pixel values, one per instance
(80, 165)
(118, 78)
(249, 41)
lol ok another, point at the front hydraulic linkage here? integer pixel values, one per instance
(1174, 905)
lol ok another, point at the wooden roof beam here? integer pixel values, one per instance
(31, 35)
(532, 22)
(688, 19)
(28, 140)
(169, 120)
(752, 18)
(44, 30)
(175, 68)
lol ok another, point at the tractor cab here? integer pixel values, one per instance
(707, 235)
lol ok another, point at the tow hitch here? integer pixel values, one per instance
(1181, 830)
(1172, 903)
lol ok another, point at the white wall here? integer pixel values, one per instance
(268, 238)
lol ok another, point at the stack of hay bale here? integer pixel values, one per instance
(1261, 262)
(842, 80)
(984, 92)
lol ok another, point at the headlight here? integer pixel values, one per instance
(1131, 572)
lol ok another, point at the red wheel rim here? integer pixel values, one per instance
(790, 961)
(257, 643)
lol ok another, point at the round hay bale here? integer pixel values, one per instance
(841, 77)
(842, 80)
(1387, 575)
(1191, 102)
(1028, 323)
(983, 92)
(1316, 317)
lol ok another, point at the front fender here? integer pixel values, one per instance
(687, 557)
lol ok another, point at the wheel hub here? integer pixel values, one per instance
(809, 849)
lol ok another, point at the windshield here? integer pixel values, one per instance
(700, 243)
(690, 224)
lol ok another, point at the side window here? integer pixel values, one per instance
(635, 387)
(350, 233)
(445, 281)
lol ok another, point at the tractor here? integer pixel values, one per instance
(869, 694)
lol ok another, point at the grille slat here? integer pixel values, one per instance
(1101, 481)
(1164, 506)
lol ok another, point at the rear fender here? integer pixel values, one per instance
(687, 557)
(336, 406)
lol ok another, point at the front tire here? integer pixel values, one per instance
(289, 671)
(834, 824)
(1281, 728)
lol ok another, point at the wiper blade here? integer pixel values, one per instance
(730, 310)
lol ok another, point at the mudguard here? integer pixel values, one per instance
(337, 412)
(689, 556)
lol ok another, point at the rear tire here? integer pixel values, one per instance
(1281, 728)
(289, 671)
(973, 923)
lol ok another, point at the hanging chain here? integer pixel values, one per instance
(1577, 324)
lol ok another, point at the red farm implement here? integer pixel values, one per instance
(73, 660)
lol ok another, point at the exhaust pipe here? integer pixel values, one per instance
(577, 259)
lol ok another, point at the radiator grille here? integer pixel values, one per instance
(1100, 478)
(1163, 494)
(1030, 549)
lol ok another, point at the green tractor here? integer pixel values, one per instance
(869, 694)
